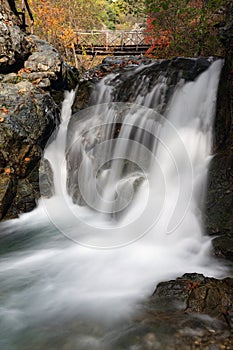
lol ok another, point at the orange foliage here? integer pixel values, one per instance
(158, 42)
(51, 20)
(5, 110)
(7, 171)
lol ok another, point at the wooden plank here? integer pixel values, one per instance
(114, 50)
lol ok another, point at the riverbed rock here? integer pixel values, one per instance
(191, 312)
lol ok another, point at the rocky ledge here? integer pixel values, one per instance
(128, 80)
(191, 312)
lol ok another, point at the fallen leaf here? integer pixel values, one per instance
(7, 170)
(24, 70)
(22, 91)
(5, 110)
(36, 82)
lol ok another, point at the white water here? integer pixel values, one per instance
(158, 237)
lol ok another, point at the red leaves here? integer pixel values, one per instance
(155, 36)
(191, 285)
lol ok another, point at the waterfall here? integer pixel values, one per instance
(129, 180)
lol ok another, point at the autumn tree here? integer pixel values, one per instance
(57, 21)
(188, 27)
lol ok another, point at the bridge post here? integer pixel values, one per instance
(106, 39)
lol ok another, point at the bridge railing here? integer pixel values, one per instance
(110, 38)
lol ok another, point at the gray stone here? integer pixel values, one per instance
(44, 58)
(46, 179)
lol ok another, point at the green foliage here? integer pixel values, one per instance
(123, 14)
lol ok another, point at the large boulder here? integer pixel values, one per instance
(46, 68)
(191, 312)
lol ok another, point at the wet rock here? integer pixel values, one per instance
(219, 199)
(191, 312)
(195, 293)
(82, 96)
(28, 118)
(46, 179)
(130, 83)
(223, 247)
(7, 191)
(25, 199)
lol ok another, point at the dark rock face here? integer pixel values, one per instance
(131, 82)
(199, 294)
(191, 312)
(219, 200)
(220, 196)
(7, 192)
(31, 71)
(28, 117)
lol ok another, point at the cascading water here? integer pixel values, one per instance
(127, 178)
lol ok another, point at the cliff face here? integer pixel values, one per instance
(31, 73)
(219, 200)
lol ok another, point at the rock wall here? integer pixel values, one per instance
(219, 200)
(33, 77)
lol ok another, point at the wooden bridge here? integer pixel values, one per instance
(116, 42)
